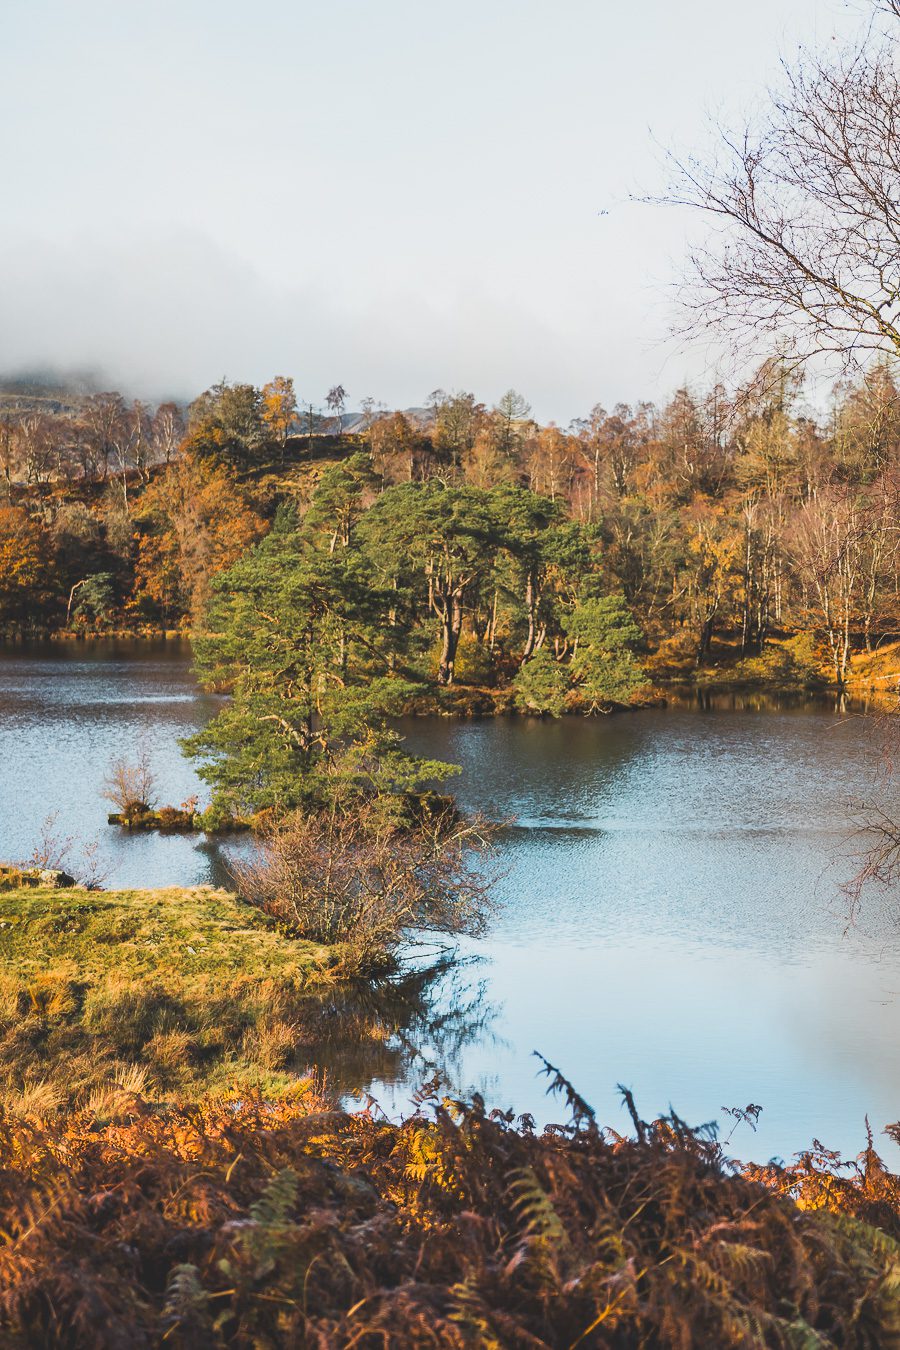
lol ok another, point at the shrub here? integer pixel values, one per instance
(675, 654)
(131, 786)
(806, 657)
(359, 878)
(174, 818)
(791, 664)
(474, 663)
(218, 818)
(96, 598)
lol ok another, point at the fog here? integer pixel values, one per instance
(395, 197)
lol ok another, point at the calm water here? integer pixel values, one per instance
(670, 915)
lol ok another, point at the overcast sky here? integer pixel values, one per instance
(393, 194)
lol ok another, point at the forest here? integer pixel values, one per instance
(735, 531)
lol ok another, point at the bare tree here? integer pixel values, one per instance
(129, 441)
(825, 547)
(130, 785)
(166, 432)
(372, 411)
(35, 447)
(103, 418)
(336, 398)
(804, 253)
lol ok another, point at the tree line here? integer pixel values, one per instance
(729, 517)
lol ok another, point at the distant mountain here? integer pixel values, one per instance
(44, 391)
(357, 421)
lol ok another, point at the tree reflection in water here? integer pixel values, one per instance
(400, 1029)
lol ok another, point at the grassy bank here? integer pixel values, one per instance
(168, 991)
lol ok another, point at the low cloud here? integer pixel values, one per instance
(166, 315)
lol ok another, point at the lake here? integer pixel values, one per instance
(669, 916)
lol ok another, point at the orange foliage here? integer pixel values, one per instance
(22, 567)
(279, 407)
(199, 522)
(252, 1223)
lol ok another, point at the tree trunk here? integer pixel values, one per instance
(452, 628)
(706, 632)
(531, 610)
(493, 624)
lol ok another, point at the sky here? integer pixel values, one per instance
(396, 196)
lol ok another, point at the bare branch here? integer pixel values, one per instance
(802, 253)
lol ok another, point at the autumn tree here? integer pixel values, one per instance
(457, 420)
(24, 574)
(867, 423)
(279, 409)
(824, 541)
(551, 457)
(611, 445)
(194, 523)
(876, 544)
(694, 456)
(398, 448)
(710, 569)
(485, 465)
(226, 424)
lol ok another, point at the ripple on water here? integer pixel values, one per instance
(670, 913)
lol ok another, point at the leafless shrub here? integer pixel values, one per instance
(358, 878)
(92, 871)
(52, 848)
(56, 852)
(130, 785)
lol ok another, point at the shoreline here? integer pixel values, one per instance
(476, 702)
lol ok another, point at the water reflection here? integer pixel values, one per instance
(711, 699)
(397, 1032)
